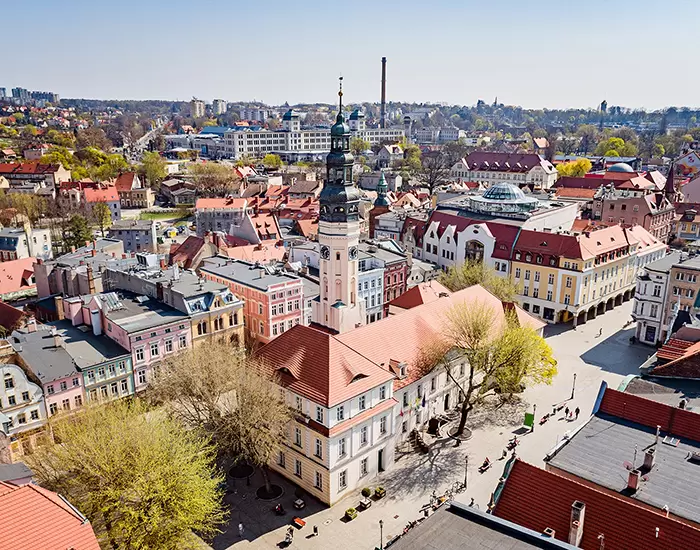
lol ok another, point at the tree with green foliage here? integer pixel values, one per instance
(6, 131)
(29, 131)
(142, 479)
(272, 162)
(472, 273)
(79, 231)
(103, 216)
(153, 168)
(62, 139)
(59, 155)
(358, 146)
(112, 166)
(19, 117)
(501, 356)
(576, 168)
(616, 145)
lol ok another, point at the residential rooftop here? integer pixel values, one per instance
(135, 313)
(59, 350)
(256, 276)
(615, 440)
(143, 225)
(460, 527)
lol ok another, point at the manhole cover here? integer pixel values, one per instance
(328, 522)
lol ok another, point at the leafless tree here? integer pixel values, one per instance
(435, 170)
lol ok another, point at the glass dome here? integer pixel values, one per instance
(503, 198)
(621, 167)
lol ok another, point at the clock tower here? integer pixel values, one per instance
(337, 306)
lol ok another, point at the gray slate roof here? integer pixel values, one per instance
(245, 273)
(460, 527)
(136, 314)
(17, 470)
(603, 447)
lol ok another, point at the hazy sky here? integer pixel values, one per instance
(545, 53)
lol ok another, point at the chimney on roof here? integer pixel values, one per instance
(382, 116)
(549, 532)
(649, 459)
(91, 280)
(633, 480)
(578, 513)
(58, 301)
(57, 341)
(31, 325)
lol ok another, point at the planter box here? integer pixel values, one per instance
(379, 492)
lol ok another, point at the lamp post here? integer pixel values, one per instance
(573, 387)
(466, 467)
(381, 534)
(534, 416)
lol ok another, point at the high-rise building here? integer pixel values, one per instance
(21, 94)
(196, 108)
(338, 306)
(3, 93)
(218, 106)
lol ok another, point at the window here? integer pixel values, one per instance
(551, 279)
(297, 437)
(517, 272)
(125, 386)
(343, 479)
(404, 427)
(319, 481)
(537, 276)
(341, 448)
(53, 408)
(139, 355)
(281, 460)
(549, 295)
(535, 292)
(382, 425)
(25, 396)
(260, 309)
(361, 403)
(78, 401)
(567, 299)
(114, 389)
(9, 382)
(299, 403)
(91, 376)
(101, 373)
(319, 449)
(363, 435)
(405, 399)
(34, 415)
(141, 376)
(168, 346)
(319, 414)
(433, 384)
(568, 282)
(76, 382)
(21, 418)
(527, 274)
(363, 467)
(340, 413)
(297, 467)
(182, 341)
(112, 370)
(155, 350)
(11, 400)
(382, 392)
(64, 386)
(526, 291)
(50, 390)
(65, 404)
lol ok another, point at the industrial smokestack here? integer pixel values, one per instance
(382, 119)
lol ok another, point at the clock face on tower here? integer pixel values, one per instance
(325, 252)
(352, 253)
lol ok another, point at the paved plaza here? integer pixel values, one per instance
(593, 358)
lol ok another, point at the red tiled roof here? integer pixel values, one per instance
(263, 252)
(604, 240)
(320, 367)
(27, 168)
(580, 226)
(537, 499)
(573, 182)
(418, 226)
(505, 162)
(504, 234)
(679, 422)
(673, 349)
(265, 225)
(104, 194)
(547, 245)
(187, 252)
(684, 359)
(307, 227)
(10, 317)
(422, 293)
(220, 203)
(400, 338)
(125, 181)
(34, 518)
(15, 274)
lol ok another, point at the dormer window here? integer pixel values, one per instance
(528, 257)
(403, 370)
(517, 255)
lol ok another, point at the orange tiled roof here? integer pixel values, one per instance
(220, 203)
(125, 181)
(263, 252)
(104, 194)
(575, 193)
(33, 517)
(422, 293)
(15, 275)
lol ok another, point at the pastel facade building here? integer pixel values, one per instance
(22, 405)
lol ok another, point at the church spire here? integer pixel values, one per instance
(670, 189)
(382, 188)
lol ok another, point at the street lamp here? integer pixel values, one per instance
(381, 534)
(466, 467)
(573, 387)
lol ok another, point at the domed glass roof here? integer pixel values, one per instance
(621, 167)
(503, 198)
(504, 192)
(290, 114)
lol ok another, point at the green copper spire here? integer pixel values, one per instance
(382, 188)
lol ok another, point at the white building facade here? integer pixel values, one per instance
(22, 404)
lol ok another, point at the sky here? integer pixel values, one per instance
(537, 54)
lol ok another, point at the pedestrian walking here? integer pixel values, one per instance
(240, 530)
(577, 411)
(566, 412)
(600, 333)
(315, 531)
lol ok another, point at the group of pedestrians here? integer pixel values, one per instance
(571, 414)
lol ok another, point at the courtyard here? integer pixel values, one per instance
(586, 352)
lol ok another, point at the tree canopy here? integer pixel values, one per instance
(78, 231)
(272, 162)
(103, 216)
(472, 273)
(577, 168)
(141, 478)
(212, 179)
(153, 168)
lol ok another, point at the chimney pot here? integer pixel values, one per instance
(649, 457)
(578, 513)
(633, 480)
(549, 532)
